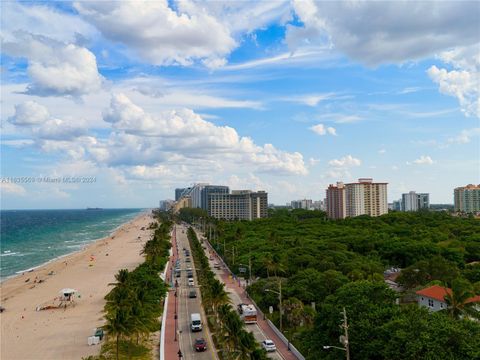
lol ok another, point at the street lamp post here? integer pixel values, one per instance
(343, 338)
(280, 301)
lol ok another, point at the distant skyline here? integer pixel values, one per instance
(282, 96)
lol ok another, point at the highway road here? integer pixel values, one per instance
(186, 306)
(235, 300)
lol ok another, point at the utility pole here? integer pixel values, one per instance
(345, 340)
(281, 308)
(249, 268)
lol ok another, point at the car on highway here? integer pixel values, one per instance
(191, 282)
(192, 294)
(268, 345)
(200, 344)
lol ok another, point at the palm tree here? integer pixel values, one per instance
(247, 345)
(457, 300)
(118, 325)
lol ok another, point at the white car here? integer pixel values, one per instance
(191, 282)
(268, 345)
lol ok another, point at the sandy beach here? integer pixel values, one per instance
(62, 333)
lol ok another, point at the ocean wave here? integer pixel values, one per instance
(8, 253)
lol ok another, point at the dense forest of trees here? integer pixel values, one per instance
(336, 264)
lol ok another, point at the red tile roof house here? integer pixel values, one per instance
(433, 297)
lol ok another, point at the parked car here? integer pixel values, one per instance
(217, 265)
(269, 345)
(191, 282)
(192, 294)
(200, 344)
(189, 274)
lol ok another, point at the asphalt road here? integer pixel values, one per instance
(187, 306)
(235, 300)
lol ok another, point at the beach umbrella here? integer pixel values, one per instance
(68, 291)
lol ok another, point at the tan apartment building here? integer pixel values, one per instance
(364, 197)
(467, 198)
(239, 205)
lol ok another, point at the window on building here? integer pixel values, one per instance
(430, 302)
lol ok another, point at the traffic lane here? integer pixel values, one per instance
(236, 300)
(189, 306)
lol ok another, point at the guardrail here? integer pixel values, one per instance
(282, 337)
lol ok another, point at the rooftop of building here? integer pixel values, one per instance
(438, 292)
(469, 187)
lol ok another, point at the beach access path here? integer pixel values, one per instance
(63, 333)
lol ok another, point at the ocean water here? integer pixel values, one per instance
(29, 238)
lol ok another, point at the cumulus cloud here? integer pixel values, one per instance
(35, 119)
(463, 82)
(55, 68)
(141, 138)
(321, 130)
(29, 113)
(386, 31)
(346, 161)
(423, 160)
(159, 34)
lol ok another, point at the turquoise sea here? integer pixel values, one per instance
(30, 238)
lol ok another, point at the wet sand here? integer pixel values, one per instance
(63, 333)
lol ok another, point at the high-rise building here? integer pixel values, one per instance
(181, 192)
(306, 204)
(336, 206)
(414, 202)
(239, 205)
(467, 198)
(199, 194)
(362, 198)
(423, 201)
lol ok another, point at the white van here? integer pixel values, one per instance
(191, 282)
(195, 322)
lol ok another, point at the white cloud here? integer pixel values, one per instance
(44, 20)
(321, 129)
(35, 120)
(464, 137)
(464, 81)
(29, 113)
(140, 138)
(423, 160)
(382, 151)
(311, 99)
(55, 68)
(12, 189)
(386, 31)
(312, 161)
(346, 161)
(159, 34)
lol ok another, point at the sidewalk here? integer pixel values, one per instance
(233, 285)
(171, 346)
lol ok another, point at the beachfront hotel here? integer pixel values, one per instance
(221, 204)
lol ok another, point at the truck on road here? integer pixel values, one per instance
(195, 322)
(248, 313)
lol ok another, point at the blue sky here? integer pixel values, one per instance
(282, 96)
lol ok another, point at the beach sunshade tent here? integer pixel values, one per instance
(68, 291)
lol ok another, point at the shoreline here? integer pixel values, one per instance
(89, 271)
(87, 244)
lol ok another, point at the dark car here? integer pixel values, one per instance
(200, 344)
(192, 294)
(189, 274)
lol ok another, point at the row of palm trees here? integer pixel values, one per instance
(134, 305)
(227, 328)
